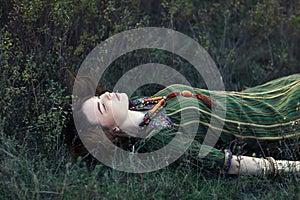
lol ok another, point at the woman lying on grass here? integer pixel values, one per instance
(260, 135)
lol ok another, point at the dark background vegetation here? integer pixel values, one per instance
(251, 41)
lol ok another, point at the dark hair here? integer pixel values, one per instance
(88, 132)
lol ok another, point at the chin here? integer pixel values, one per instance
(125, 95)
(124, 98)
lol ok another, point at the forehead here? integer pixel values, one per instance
(92, 113)
(89, 108)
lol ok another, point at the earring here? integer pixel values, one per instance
(116, 129)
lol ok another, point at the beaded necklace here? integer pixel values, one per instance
(147, 103)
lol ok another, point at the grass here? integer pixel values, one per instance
(29, 174)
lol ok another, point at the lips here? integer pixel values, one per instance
(118, 96)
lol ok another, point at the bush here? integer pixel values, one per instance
(251, 42)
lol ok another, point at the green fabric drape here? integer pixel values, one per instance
(259, 119)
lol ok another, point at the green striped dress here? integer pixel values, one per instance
(261, 121)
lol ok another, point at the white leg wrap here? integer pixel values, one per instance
(246, 165)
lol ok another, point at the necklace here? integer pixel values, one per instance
(147, 103)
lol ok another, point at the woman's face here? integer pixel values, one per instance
(108, 110)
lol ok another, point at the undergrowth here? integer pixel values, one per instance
(27, 174)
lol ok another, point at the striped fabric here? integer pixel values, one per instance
(260, 120)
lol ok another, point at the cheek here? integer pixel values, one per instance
(119, 113)
(108, 121)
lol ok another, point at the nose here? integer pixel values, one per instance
(107, 95)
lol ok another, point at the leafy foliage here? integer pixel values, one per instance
(251, 41)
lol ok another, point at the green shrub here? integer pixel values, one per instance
(251, 42)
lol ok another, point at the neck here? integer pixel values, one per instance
(131, 124)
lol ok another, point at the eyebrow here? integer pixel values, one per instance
(98, 104)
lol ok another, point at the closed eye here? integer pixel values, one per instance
(98, 104)
(104, 106)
